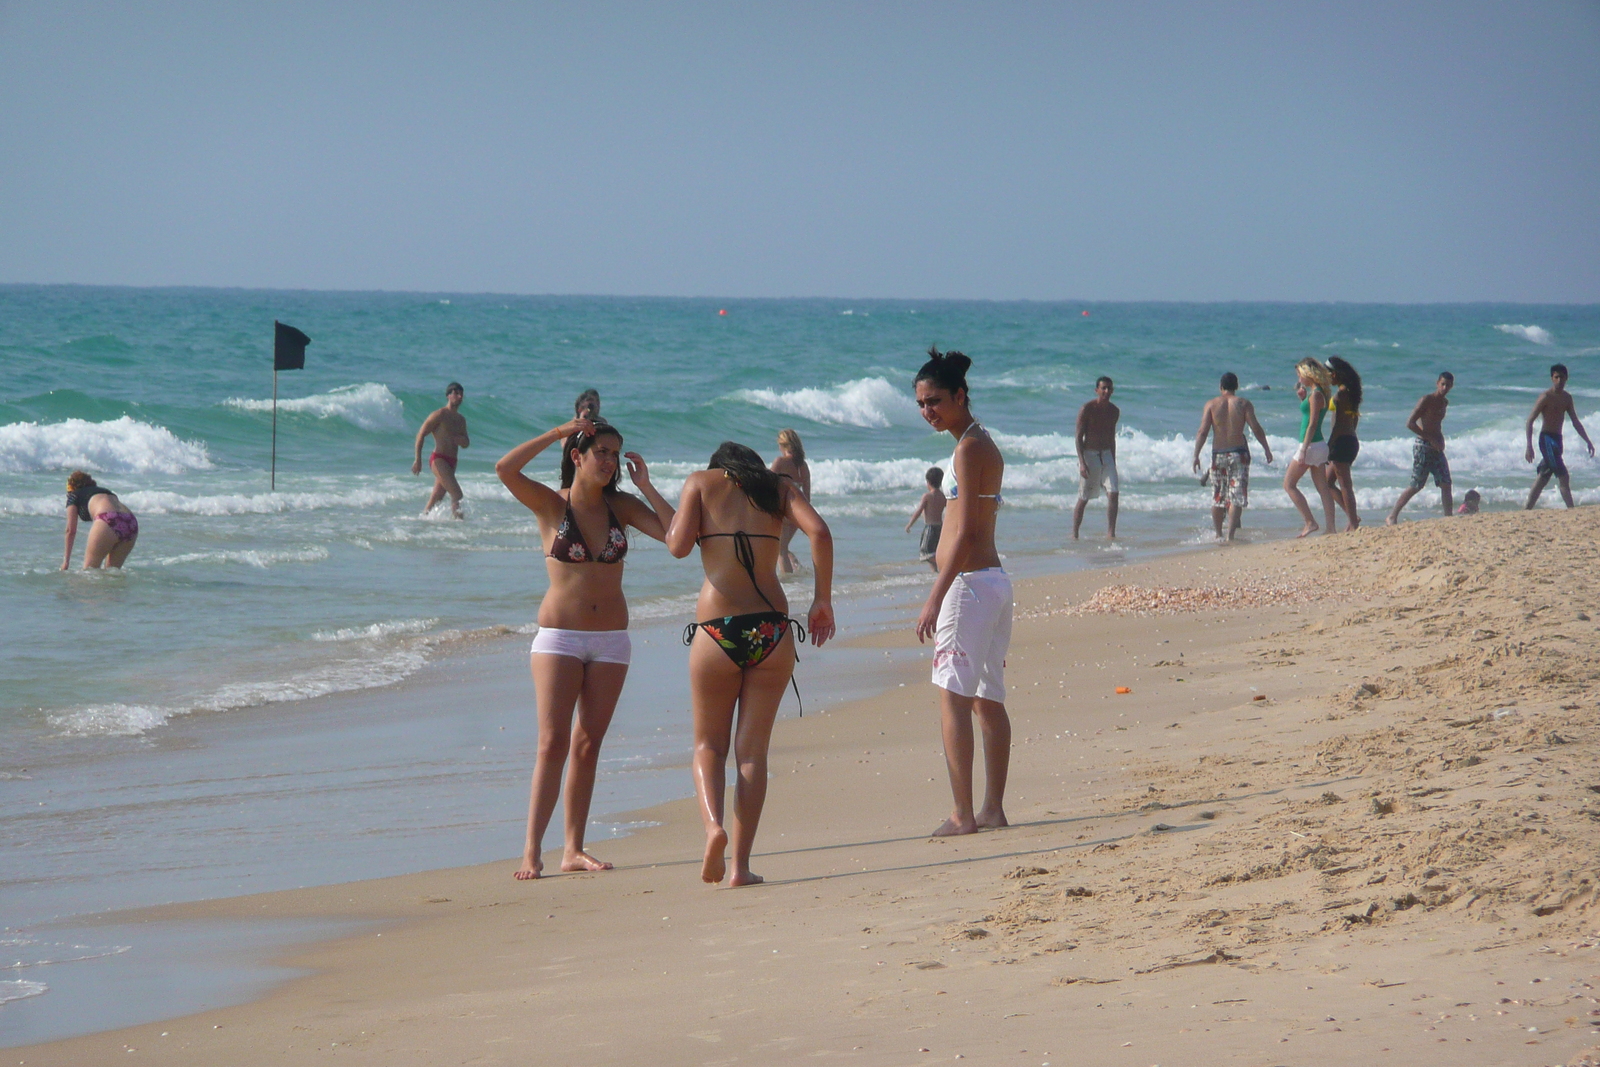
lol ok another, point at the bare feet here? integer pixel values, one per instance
(715, 864)
(953, 827)
(744, 878)
(1391, 521)
(532, 867)
(582, 861)
(991, 820)
(1308, 529)
(1353, 524)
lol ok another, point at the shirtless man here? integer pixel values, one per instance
(449, 431)
(1553, 405)
(1226, 417)
(587, 406)
(1427, 452)
(1097, 456)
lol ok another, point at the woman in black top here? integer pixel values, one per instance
(113, 528)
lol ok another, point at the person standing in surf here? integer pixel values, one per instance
(580, 655)
(742, 651)
(968, 611)
(1343, 444)
(791, 464)
(1314, 385)
(1427, 451)
(1096, 442)
(449, 429)
(113, 528)
(1553, 407)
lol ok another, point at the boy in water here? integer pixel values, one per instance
(1427, 452)
(449, 429)
(1470, 503)
(931, 509)
(1554, 405)
(1226, 416)
(1097, 456)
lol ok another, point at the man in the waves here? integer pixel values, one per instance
(1553, 405)
(449, 429)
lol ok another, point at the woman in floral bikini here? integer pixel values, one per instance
(742, 652)
(580, 655)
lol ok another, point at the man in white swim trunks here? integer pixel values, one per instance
(1097, 456)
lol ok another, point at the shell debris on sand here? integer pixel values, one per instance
(1174, 599)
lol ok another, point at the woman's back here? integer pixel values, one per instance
(726, 513)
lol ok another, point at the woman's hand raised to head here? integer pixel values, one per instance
(581, 424)
(819, 622)
(638, 471)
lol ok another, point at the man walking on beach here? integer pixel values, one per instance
(1427, 451)
(449, 429)
(1554, 405)
(1097, 456)
(1225, 417)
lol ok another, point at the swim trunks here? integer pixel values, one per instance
(1426, 460)
(1550, 459)
(1102, 466)
(1344, 449)
(440, 455)
(1230, 478)
(930, 541)
(969, 651)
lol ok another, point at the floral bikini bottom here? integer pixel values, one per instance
(747, 639)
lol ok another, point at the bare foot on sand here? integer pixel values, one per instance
(582, 861)
(952, 827)
(744, 878)
(531, 868)
(1308, 529)
(1391, 521)
(991, 820)
(1353, 524)
(715, 864)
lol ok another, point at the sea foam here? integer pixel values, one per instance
(370, 406)
(120, 446)
(867, 402)
(1537, 334)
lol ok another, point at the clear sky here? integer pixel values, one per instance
(1171, 151)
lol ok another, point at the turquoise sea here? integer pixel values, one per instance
(133, 705)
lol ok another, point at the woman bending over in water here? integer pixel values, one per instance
(742, 652)
(580, 655)
(791, 464)
(113, 529)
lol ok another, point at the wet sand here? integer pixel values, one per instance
(1349, 817)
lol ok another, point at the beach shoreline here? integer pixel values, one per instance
(867, 926)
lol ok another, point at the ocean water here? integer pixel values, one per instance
(148, 693)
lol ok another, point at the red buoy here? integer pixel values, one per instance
(724, 311)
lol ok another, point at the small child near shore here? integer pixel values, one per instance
(931, 511)
(1470, 503)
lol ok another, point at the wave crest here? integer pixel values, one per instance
(867, 402)
(1537, 334)
(119, 446)
(369, 406)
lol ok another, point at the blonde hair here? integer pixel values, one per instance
(1317, 371)
(789, 441)
(77, 480)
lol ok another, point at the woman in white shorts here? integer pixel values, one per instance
(968, 612)
(1314, 386)
(580, 655)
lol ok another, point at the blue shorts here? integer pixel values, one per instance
(1550, 461)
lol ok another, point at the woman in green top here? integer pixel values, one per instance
(1314, 387)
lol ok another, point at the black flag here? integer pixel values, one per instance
(288, 348)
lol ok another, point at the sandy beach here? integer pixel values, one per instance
(1347, 815)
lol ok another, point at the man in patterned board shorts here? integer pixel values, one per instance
(1427, 452)
(1226, 417)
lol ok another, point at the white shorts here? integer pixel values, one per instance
(1102, 464)
(969, 649)
(1313, 455)
(587, 646)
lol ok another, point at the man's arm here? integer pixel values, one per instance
(1572, 411)
(429, 424)
(463, 441)
(1200, 437)
(922, 505)
(1255, 427)
(1116, 416)
(1413, 423)
(1079, 438)
(1538, 406)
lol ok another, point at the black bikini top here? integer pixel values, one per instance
(79, 498)
(570, 547)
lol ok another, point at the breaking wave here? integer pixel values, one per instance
(867, 402)
(1537, 334)
(369, 406)
(119, 446)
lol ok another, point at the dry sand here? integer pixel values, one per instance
(1349, 816)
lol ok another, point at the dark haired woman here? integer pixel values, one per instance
(968, 612)
(742, 652)
(791, 463)
(580, 655)
(1343, 445)
(112, 530)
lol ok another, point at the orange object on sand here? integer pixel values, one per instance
(1123, 689)
(1259, 696)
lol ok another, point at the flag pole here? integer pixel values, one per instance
(274, 429)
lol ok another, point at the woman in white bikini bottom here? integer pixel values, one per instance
(585, 646)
